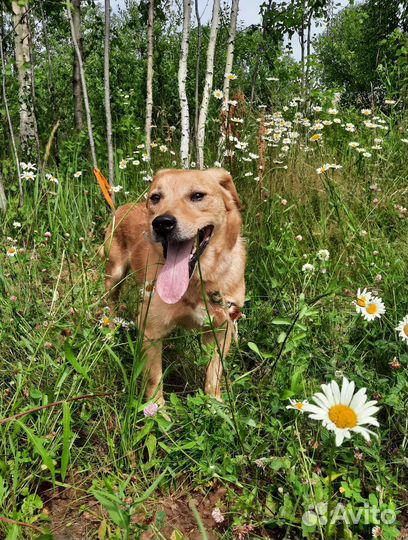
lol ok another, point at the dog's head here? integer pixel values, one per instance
(189, 213)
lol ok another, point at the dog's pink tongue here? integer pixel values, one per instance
(173, 279)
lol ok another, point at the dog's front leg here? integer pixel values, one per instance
(220, 339)
(153, 369)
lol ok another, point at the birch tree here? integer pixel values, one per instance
(29, 141)
(149, 78)
(197, 70)
(208, 83)
(84, 89)
(107, 95)
(230, 49)
(76, 75)
(228, 69)
(182, 76)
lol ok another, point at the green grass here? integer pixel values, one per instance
(301, 330)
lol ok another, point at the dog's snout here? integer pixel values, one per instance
(164, 224)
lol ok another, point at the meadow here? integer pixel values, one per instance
(324, 207)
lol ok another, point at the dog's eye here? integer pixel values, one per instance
(155, 198)
(198, 196)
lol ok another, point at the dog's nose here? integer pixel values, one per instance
(164, 225)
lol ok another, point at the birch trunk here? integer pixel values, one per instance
(228, 69)
(149, 78)
(76, 75)
(207, 84)
(197, 71)
(84, 89)
(28, 123)
(230, 49)
(107, 96)
(182, 76)
(10, 125)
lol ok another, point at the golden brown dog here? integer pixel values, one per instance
(186, 240)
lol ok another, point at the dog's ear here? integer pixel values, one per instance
(225, 181)
(232, 205)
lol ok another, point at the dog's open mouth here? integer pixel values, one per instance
(180, 262)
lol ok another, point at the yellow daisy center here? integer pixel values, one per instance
(105, 321)
(372, 309)
(299, 406)
(362, 301)
(343, 416)
(405, 329)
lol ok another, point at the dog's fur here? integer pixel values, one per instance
(131, 244)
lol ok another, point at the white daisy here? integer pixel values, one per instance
(308, 268)
(297, 405)
(363, 298)
(218, 94)
(402, 328)
(343, 411)
(374, 309)
(77, 174)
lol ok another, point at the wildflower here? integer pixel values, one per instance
(77, 174)
(374, 309)
(350, 128)
(332, 111)
(218, 94)
(47, 234)
(217, 515)
(230, 76)
(376, 531)
(163, 148)
(11, 251)
(123, 164)
(153, 145)
(316, 137)
(363, 298)
(16, 224)
(27, 175)
(299, 237)
(317, 108)
(237, 120)
(366, 112)
(378, 278)
(116, 189)
(354, 144)
(253, 156)
(323, 255)
(395, 363)
(308, 268)
(136, 162)
(327, 122)
(284, 202)
(297, 405)
(248, 174)
(367, 154)
(324, 168)
(104, 321)
(376, 147)
(317, 126)
(389, 101)
(150, 410)
(343, 411)
(337, 120)
(402, 328)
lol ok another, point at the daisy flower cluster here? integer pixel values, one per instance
(341, 410)
(372, 307)
(29, 171)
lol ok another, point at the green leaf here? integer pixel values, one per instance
(39, 448)
(151, 443)
(72, 359)
(66, 439)
(254, 348)
(112, 505)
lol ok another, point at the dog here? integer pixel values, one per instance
(185, 241)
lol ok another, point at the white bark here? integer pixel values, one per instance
(28, 123)
(3, 200)
(207, 84)
(182, 76)
(76, 78)
(107, 96)
(84, 90)
(149, 78)
(231, 46)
